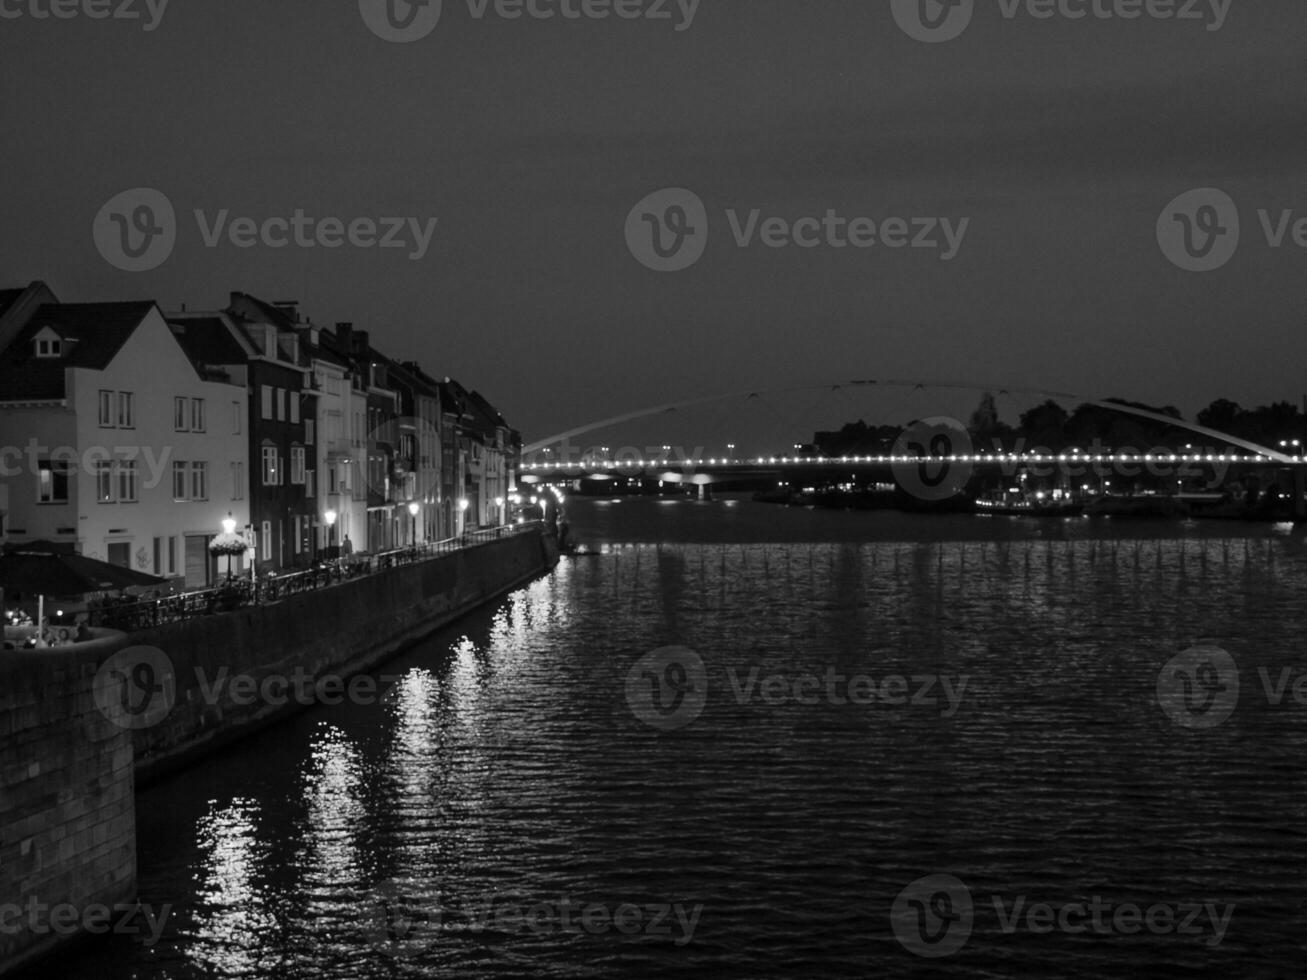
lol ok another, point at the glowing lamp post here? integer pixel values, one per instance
(330, 518)
(413, 509)
(463, 505)
(228, 543)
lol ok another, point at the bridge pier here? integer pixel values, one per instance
(1299, 492)
(705, 493)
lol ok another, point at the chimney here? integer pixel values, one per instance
(290, 307)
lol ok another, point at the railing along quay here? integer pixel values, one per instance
(132, 613)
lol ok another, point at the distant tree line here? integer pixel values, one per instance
(1048, 426)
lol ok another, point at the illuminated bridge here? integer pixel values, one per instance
(937, 449)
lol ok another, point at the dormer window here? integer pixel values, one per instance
(49, 344)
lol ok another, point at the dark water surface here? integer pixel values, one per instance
(907, 736)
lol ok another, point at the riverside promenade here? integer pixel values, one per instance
(82, 725)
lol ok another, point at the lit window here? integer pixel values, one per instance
(52, 481)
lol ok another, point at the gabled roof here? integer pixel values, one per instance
(8, 297)
(93, 332)
(208, 341)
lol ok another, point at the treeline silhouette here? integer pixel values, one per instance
(1048, 426)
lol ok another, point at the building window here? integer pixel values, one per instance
(271, 471)
(103, 481)
(309, 432)
(294, 406)
(180, 418)
(235, 418)
(48, 347)
(172, 556)
(126, 410)
(282, 396)
(158, 556)
(199, 481)
(237, 481)
(299, 529)
(106, 409)
(332, 483)
(127, 481)
(265, 402)
(297, 465)
(197, 414)
(308, 484)
(52, 481)
(266, 541)
(179, 481)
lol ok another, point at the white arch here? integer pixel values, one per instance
(962, 385)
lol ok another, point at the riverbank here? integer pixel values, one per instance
(82, 727)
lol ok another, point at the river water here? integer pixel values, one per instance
(755, 741)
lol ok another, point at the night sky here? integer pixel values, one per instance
(1060, 142)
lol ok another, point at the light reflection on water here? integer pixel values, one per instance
(507, 765)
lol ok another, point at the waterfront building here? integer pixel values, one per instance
(418, 455)
(280, 426)
(117, 444)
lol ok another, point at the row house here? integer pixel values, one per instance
(310, 439)
(259, 343)
(417, 438)
(114, 442)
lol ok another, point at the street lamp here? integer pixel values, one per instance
(330, 518)
(463, 505)
(413, 509)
